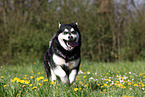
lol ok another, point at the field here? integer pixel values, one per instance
(120, 79)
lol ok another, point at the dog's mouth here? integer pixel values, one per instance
(71, 43)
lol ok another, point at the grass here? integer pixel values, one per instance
(123, 79)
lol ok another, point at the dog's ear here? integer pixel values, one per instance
(76, 23)
(59, 24)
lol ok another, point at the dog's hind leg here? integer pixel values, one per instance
(47, 69)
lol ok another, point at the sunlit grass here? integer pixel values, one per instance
(94, 79)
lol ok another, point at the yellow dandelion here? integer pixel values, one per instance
(80, 88)
(40, 84)
(52, 83)
(75, 89)
(26, 82)
(127, 96)
(31, 71)
(84, 73)
(41, 77)
(30, 85)
(1, 66)
(143, 85)
(85, 85)
(12, 80)
(39, 73)
(5, 86)
(38, 79)
(31, 77)
(143, 76)
(78, 79)
(17, 95)
(2, 76)
(22, 81)
(105, 85)
(104, 90)
(129, 83)
(102, 86)
(140, 74)
(84, 76)
(107, 80)
(98, 85)
(34, 88)
(116, 56)
(80, 82)
(34, 62)
(45, 80)
(135, 85)
(58, 84)
(25, 75)
(24, 86)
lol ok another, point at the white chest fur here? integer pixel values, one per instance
(60, 61)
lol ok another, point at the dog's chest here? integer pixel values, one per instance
(60, 61)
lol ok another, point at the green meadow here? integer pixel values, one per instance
(95, 79)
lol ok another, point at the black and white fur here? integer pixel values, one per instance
(62, 59)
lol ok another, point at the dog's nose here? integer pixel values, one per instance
(70, 37)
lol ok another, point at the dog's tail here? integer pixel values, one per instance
(47, 65)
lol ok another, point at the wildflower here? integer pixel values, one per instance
(140, 74)
(105, 84)
(5, 86)
(34, 88)
(85, 85)
(2, 76)
(31, 71)
(40, 84)
(80, 82)
(135, 85)
(17, 95)
(34, 62)
(45, 80)
(24, 86)
(88, 72)
(1, 66)
(80, 88)
(38, 72)
(30, 85)
(22, 81)
(84, 73)
(52, 83)
(84, 76)
(143, 76)
(102, 86)
(31, 77)
(41, 77)
(129, 83)
(25, 75)
(104, 90)
(26, 82)
(58, 84)
(75, 89)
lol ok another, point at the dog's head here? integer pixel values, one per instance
(68, 35)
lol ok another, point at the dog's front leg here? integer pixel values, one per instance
(73, 75)
(61, 74)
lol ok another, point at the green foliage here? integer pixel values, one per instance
(27, 27)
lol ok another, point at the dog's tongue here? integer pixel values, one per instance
(73, 43)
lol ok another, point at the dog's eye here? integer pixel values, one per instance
(65, 32)
(73, 32)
